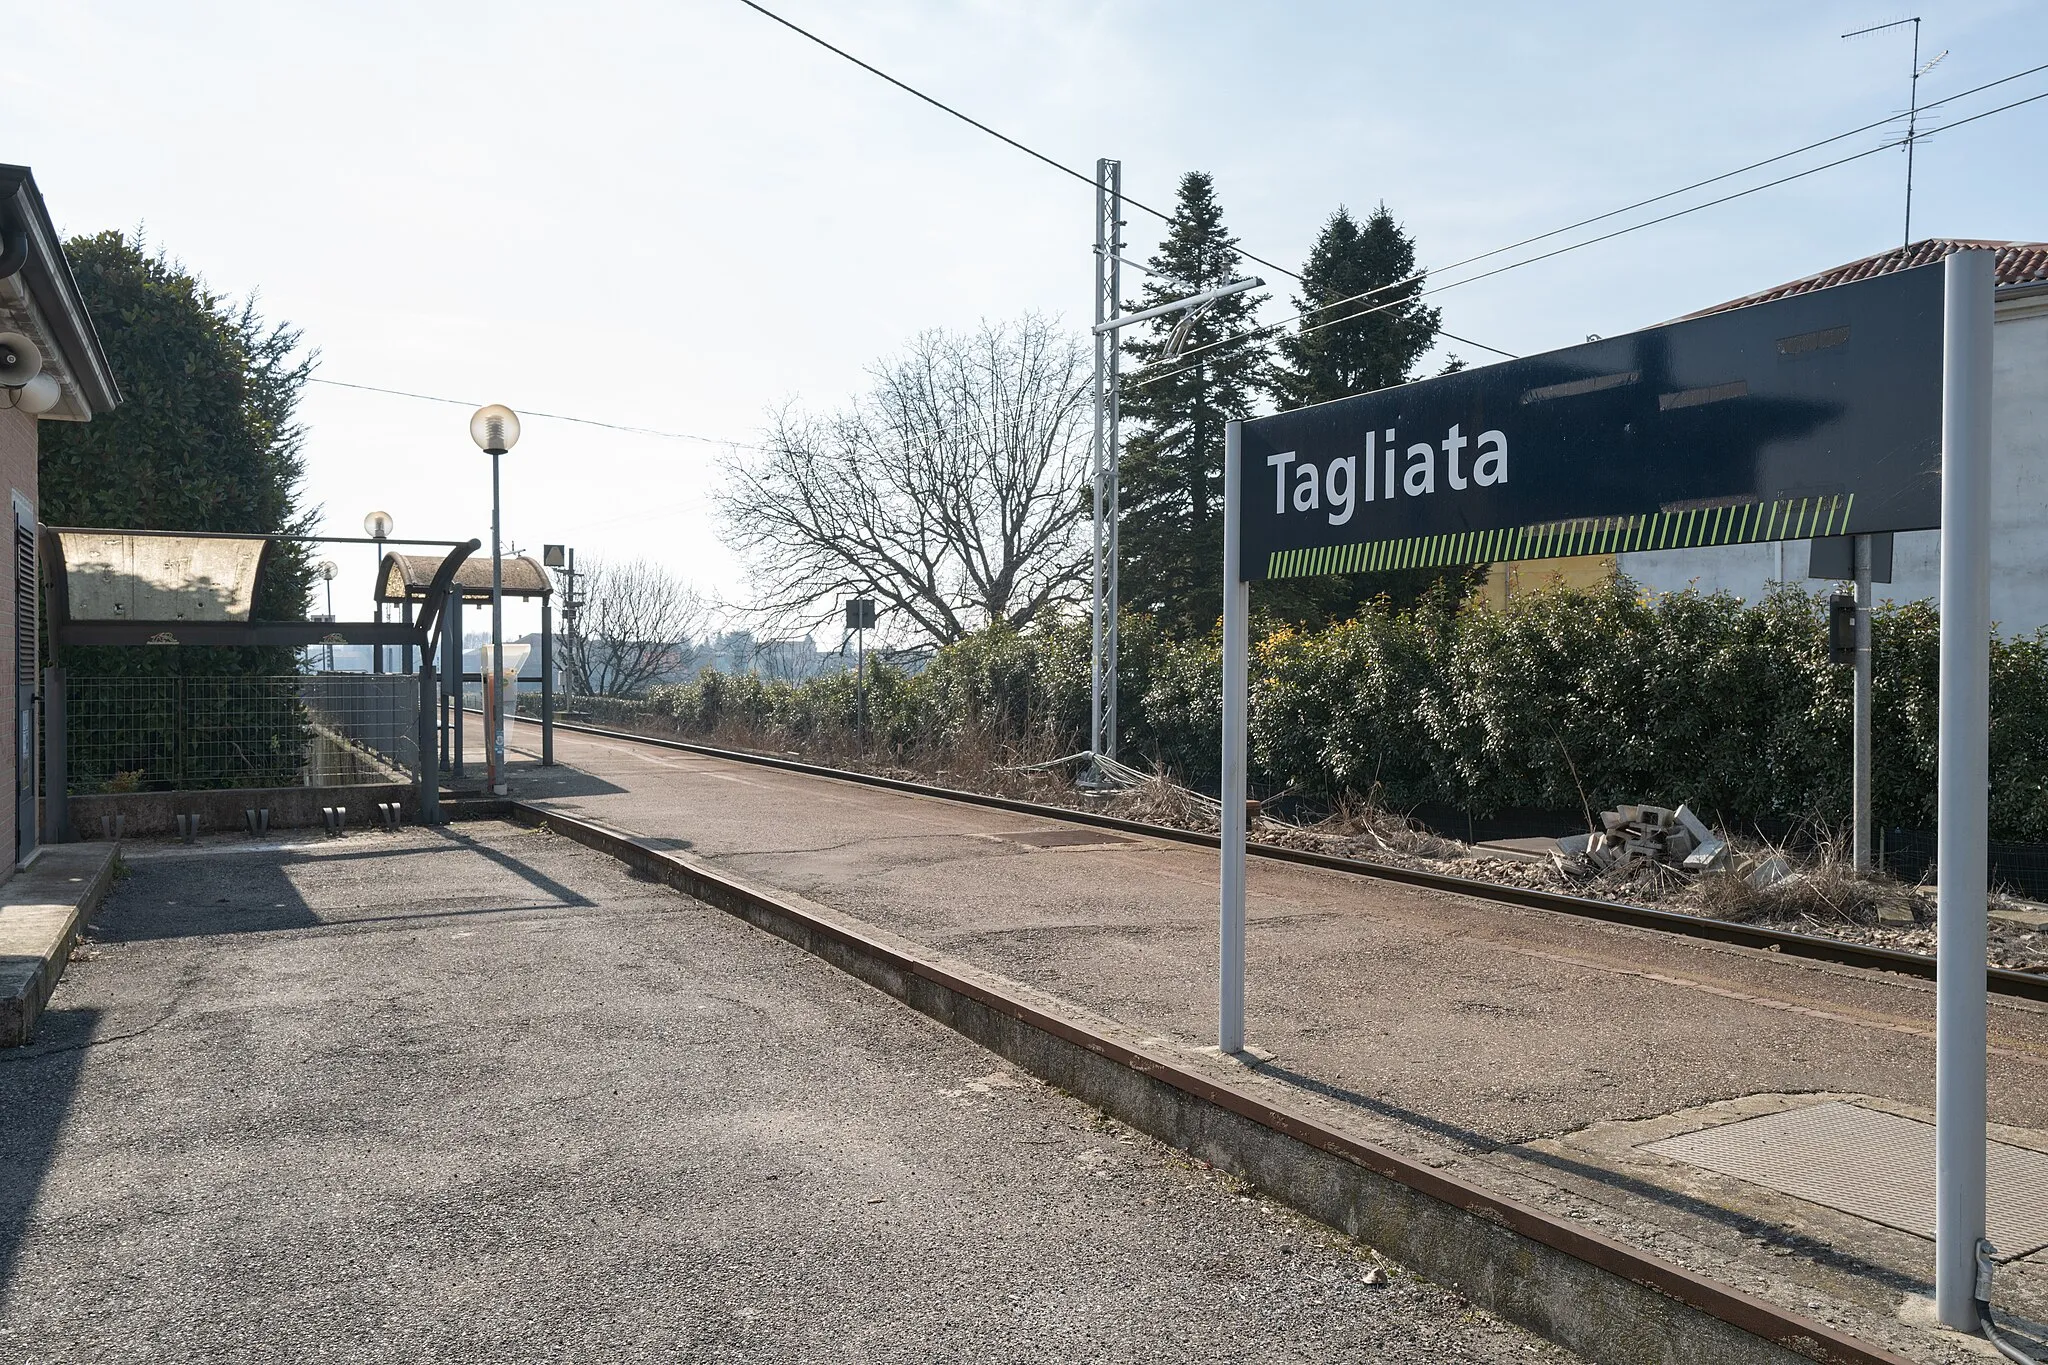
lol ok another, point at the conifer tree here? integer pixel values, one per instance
(207, 438)
(1349, 345)
(1368, 343)
(1172, 524)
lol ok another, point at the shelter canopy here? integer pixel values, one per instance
(125, 587)
(408, 578)
(144, 576)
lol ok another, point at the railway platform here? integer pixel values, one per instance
(1759, 1119)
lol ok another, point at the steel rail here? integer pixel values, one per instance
(2001, 980)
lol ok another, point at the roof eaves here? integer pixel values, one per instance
(54, 291)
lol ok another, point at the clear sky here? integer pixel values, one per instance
(678, 215)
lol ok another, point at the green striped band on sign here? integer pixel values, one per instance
(1726, 524)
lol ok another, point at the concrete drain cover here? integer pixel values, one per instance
(1871, 1164)
(1062, 838)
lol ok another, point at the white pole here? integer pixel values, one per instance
(1963, 765)
(1859, 838)
(1236, 679)
(496, 702)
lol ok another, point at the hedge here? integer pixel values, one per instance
(1563, 699)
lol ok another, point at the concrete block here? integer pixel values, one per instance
(1692, 825)
(1577, 843)
(1767, 871)
(1708, 856)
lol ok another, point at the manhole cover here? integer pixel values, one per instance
(1062, 838)
(1871, 1164)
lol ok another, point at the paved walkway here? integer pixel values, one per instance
(1487, 1035)
(478, 1095)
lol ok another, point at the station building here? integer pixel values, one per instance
(39, 302)
(2019, 464)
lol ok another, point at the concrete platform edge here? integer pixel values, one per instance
(1590, 1294)
(31, 976)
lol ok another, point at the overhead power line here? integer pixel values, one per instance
(1607, 236)
(1033, 152)
(550, 416)
(1160, 214)
(973, 122)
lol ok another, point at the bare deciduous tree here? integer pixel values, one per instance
(634, 626)
(950, 490)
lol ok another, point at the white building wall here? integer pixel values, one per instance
(2019, 508)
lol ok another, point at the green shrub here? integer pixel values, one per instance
(1566, 698)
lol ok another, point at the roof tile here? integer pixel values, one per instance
(2019, 263)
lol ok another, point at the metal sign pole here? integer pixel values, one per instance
(1963, 766)
(1859, 782)
(1237, 596)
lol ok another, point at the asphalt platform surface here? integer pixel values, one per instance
(1530, 1052)
(477, 1094)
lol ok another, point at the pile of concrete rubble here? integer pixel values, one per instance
(1631, 836)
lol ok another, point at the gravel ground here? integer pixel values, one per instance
(481, 1096)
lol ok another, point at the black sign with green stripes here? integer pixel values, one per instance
(1813, 415)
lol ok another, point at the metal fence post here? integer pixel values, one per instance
(451, 660)
(56, 779)
(181, 722)
(547, 684)
(429, 766)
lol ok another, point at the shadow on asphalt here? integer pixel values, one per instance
(36, 1088)
(1777, 1235)
(532, 876)
(529, 781)
(243, 891)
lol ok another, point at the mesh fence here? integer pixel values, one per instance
(2018, 869)
(191, 734)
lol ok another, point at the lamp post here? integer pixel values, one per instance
(377, 526)
(327, 571)
(495, 429)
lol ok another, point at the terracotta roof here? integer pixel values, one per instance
(2019, 263)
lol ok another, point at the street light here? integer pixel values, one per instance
(495, 429)
(328, 570)
(378, 526)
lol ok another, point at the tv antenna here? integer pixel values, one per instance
(1913, 104)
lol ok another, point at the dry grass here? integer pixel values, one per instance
(1824, 893)
(1365, 820)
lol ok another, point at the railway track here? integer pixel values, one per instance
(2001, 981)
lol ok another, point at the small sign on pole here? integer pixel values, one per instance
(860, 619)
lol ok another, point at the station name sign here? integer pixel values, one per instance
(1813, 415)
